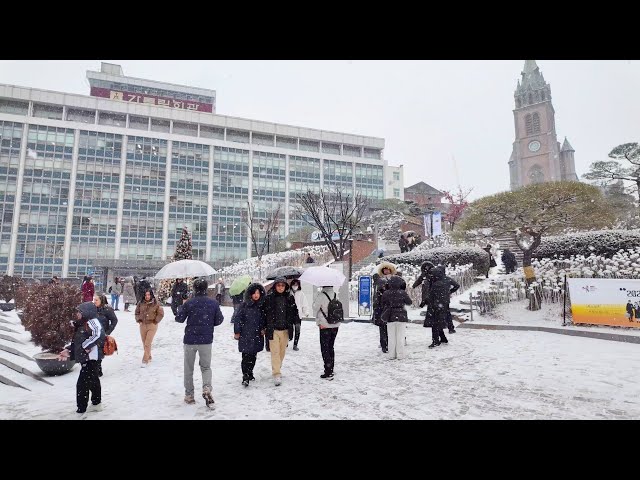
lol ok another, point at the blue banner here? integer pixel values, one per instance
(364, 295)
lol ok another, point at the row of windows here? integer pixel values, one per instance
(183, 128)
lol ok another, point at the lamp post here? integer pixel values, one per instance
(350, 239)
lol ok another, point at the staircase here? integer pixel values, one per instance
(510, 243)
(371, 258)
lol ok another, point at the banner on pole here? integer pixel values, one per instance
(437, 224)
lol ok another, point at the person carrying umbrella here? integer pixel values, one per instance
(282, 313)
(236, 292)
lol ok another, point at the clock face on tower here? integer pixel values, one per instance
(534, 146)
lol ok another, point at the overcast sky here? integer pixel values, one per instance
(428, 112)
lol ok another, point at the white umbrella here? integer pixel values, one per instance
(185, 269)
(322, 276)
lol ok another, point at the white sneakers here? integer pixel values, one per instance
(277, 380)
(144, 365)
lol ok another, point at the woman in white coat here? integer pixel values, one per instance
(303, 309)
(328, 331)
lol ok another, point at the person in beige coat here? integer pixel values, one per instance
(328, 331)
(148, 314)
(128, 294)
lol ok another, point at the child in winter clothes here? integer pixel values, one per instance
(328, 331)
(303, 309)
(86, 349)
(249, 329)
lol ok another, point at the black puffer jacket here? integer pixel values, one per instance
(179, 293)
(88, 333)
(281, 311)
(250, 320)
(439, 295)
(379, 287)
(394, 299)
(107, 318)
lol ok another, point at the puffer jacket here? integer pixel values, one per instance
(441, 289)
(108, 319)
(394, 299)
(202, 315)
(88, 334)
(425, 279)
(128, 292)
(250, 320)
(149, 312)
(281, 311)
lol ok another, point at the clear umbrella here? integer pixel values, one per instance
(286, 272)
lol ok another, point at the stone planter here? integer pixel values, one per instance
(50, 365)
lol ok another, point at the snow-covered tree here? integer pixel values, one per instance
(184, 251)
(263, 227)
(537, 210)
(609, 171)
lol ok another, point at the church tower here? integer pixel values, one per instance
(537, 156)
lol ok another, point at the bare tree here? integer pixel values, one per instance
(262, 228)
(332, 212)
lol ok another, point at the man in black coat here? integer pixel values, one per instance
(282, 313)
(202, 315)
(509, 261)
(438, 304)
(179, 294)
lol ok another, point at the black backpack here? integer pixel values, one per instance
(334, 314)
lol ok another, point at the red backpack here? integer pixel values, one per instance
(110, 345)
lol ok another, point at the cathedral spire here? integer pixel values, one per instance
(566, 146)
(529, 67)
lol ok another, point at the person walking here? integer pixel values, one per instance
(149, 313)
(128, 294)
(492, 262)
(220, 291)
(438, 307)
(303, 309)
(328, 331)
(88, 289)
(384, 271)
(107, 318)
(281, 313)
(115, 290)
(509, 261)
(249, 329)
(395, 316)
(179, 293)
(202, 315)
(309, 258)
(86, 349)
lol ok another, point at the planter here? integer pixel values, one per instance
(49, 364)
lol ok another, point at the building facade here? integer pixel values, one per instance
(394, 182)
(537, 155)
(115, 176)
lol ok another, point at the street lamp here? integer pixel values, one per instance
(350, 239)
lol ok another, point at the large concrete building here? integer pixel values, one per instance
(537, 155)
(113, 177)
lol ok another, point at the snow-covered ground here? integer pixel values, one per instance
(480, 375)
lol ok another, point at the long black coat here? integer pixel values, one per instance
(379, 286)
(394, 299)
(281, 311)
(250, 320)
(425, 280)
(509, 259)
(107, 318)
(439, 295)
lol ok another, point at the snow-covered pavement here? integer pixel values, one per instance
(479, 375)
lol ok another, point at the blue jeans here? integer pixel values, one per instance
(115, 298)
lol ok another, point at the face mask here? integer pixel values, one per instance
(294, 288)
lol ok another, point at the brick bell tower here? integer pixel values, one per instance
(537, 155)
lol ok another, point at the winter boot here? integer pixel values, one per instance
(208, 398)
(295, 347)
(327, 376)
(245, 380)
(434, 344)
(188, 399)
(452, 330)
(277, 380)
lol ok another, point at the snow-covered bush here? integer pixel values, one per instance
(601, 242)
(444, 256)
(9, 286)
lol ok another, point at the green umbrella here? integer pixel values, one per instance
(239, 285)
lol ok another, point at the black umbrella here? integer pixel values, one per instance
(287, 272)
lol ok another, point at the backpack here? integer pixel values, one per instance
(110, 345)
(334, 312)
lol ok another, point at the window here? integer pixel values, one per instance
(309, 146)
(396, 193)
(528, 124)
(262, 139)
(17, 108)
(83, 116)
(158, 125)
(286, 142)
(185, 128)
(396, 176)
(211, 132)
(116, 119)
(536, 123)
(47, 111)
(237, 136)
(372, 153)
(139, 123)
(331, 148)
(351, 151)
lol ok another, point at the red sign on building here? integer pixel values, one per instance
(151, 100)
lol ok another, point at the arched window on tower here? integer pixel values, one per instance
(542, 95)
(536, 175)
(528, 122)
(536, 123)
(518, 103)
(530, 99)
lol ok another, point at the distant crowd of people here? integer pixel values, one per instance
(408, 241)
